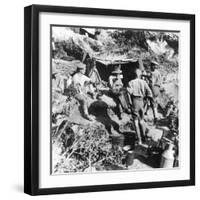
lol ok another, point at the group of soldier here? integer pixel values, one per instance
(135, 98)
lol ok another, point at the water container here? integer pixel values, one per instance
(167, 158)
(129, 158)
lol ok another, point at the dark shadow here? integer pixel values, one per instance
(128, 69)
(153, 159)
(121, 100)
(99, 110)
(129, 138)
(162, 122)
(115, 98)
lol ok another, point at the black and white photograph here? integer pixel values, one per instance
(114, 99)
(109, 99)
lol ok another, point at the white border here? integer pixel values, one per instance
(48, 181)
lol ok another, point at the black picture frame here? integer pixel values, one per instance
(31, 98)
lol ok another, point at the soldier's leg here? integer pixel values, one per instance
(84, 106)
(135, 113)
(137, 128)
(142, 126)
(142, 123)
(85, 110)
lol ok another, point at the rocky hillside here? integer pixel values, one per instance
(160, 46)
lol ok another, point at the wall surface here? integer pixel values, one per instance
(11, 101)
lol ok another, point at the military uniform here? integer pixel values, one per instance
(116, 92)
(156, 82)
(82, 85)
(138, 89)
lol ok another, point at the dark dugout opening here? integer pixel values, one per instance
(128, 70)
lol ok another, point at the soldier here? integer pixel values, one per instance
(138, 90)
(83, 86)
(115, 79)
(155, 85)
(156, 79)
(118, 93)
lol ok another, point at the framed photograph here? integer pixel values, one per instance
(109, 99)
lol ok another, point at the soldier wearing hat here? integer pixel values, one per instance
(138, 90)
(117, 92)
(115, 84)
(115, 79)
(155, 85)
(156, 78)
(83, 86)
